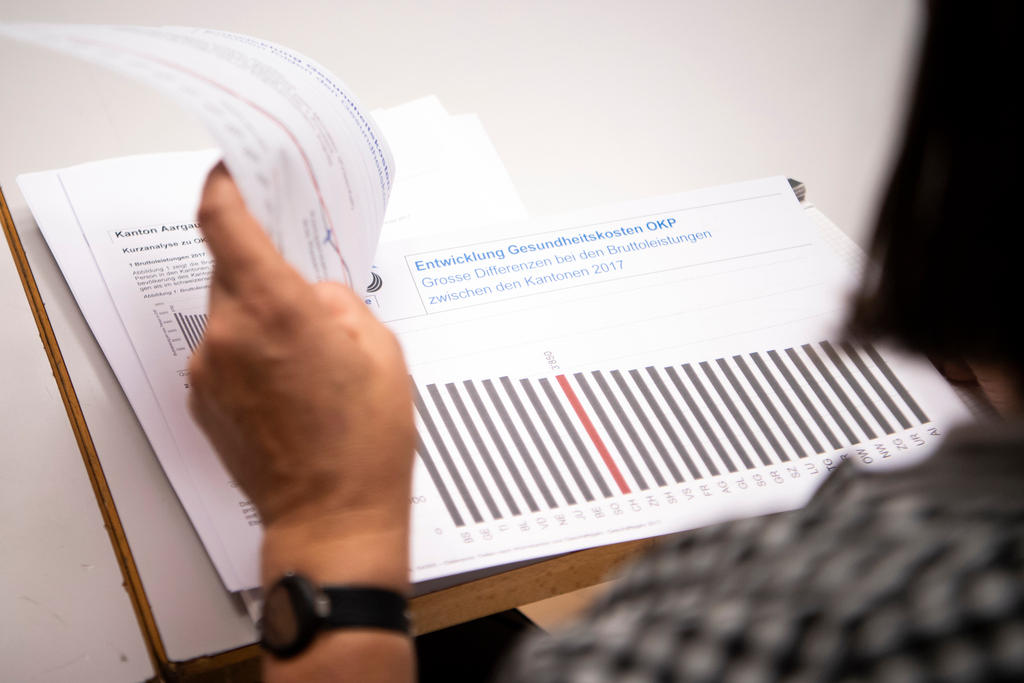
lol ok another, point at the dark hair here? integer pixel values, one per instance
(945, 273)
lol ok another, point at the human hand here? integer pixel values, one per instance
(306, 398)
(995, 382)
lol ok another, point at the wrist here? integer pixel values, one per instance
(351, 549)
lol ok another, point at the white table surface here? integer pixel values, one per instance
(586, 102)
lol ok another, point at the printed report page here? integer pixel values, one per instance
(636, 370)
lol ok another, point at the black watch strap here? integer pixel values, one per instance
(363, 607)
(295, 610)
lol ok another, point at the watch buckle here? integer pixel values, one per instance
(321, 605)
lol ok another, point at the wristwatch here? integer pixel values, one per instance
(295, 610)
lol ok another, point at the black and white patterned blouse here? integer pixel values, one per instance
(909, 576)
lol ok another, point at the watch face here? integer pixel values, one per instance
(295, 610)
(280, 624)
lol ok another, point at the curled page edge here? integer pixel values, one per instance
(310, 162)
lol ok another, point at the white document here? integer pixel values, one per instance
(635, 370)
(310, 162)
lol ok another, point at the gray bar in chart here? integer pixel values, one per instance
(481, 448)
(435, 477)
(610, 428)
(731, 407)
(880, 363)
(680, 419)
(192, 327)
(446, 457)
(524, 417)
(838, 391)
(574, 435)
(499, 443)
(645, 455)
(460, 446)
(723, 424)
(857, 388)
(754, 412)
(641, 416)
(882, 393)
(524, 453)
(783, 426)
(570, 465)
(802, 369)
(701, 420)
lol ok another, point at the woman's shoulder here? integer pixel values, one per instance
(914, 568)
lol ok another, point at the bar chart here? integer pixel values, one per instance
(497, 448)
(192, 326)
(182, 325)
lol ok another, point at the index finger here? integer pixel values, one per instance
(240, 246)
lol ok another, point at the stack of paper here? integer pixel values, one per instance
(601, 376)
(448, 174)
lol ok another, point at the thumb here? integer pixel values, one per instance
(241, 249)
